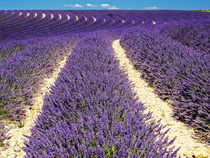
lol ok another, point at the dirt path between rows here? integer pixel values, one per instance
(16, 143)
(190, 147)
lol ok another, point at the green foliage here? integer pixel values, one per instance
(3, 111)
(109, 151)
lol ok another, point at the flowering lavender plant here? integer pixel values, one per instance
(91, 111)
(193, 34)
(176, 72)
(22, 73)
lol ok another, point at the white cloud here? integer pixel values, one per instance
(73, 5)
(91, 5)
(108, 6)
(151, 8)
(105, 6)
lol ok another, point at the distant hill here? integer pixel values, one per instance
(203, 10)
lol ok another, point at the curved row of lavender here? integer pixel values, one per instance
(22, 70)
(37, 23)
(192, 34)
(175, 71)
(91, 111)
(9, 49)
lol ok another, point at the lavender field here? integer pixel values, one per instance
(64, 93)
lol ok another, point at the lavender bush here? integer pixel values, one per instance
(8, 49)
(21, 75)
(193, 34)
(175, 71)
(92, 112)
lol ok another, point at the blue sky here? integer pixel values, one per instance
(104, 4)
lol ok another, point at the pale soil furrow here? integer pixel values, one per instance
(16, 143)
(161, 110)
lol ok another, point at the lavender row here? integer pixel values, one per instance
(27, 24)
(9, 49)
(21, 75)
(92, 112)
(192, 34)
(175, 71)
